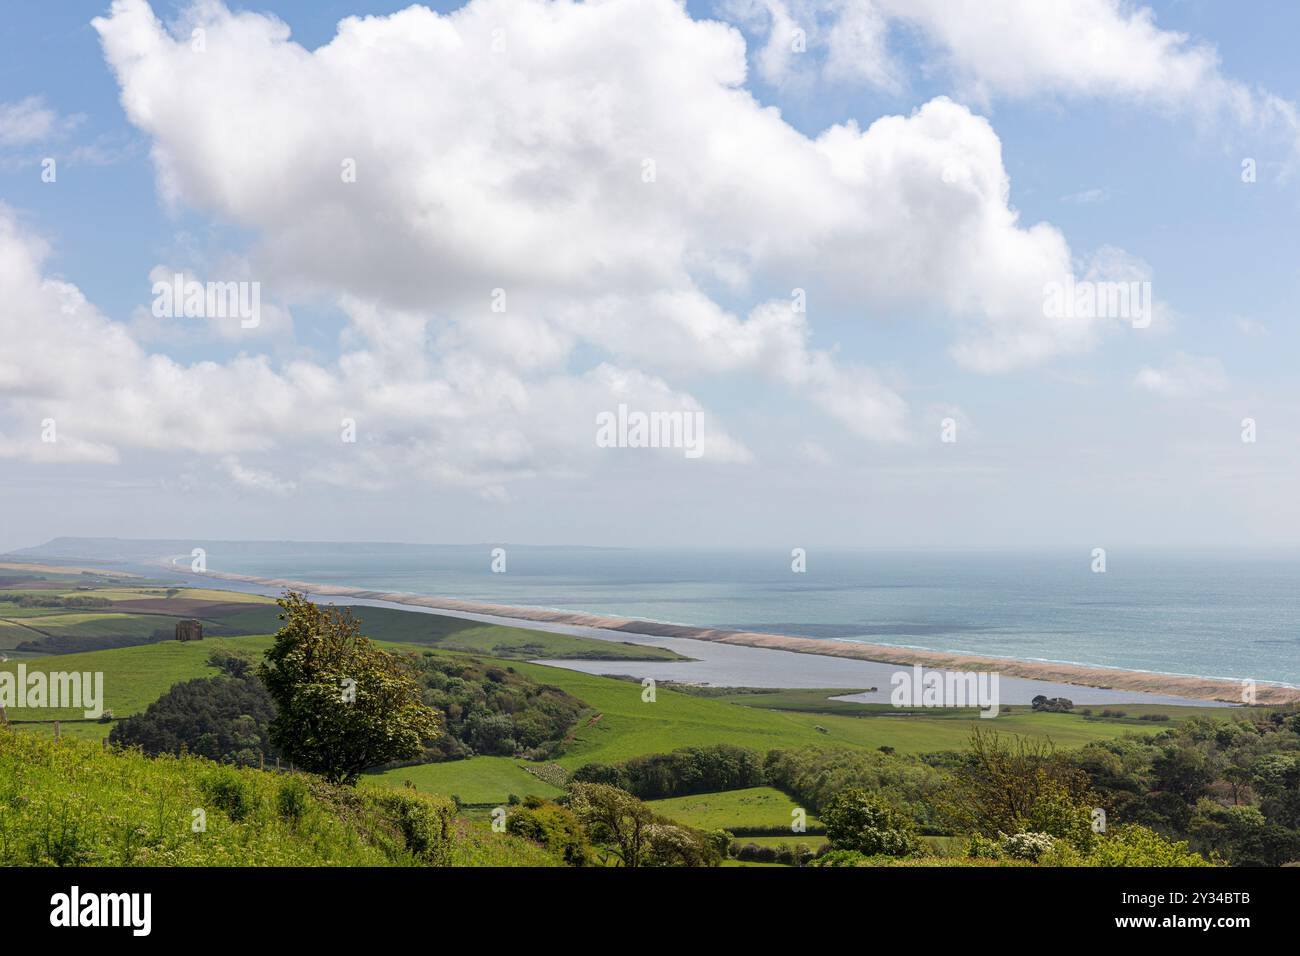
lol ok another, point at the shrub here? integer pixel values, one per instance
(291, 799)
(1027, 845)
(554, 827)
(670, 844)
(840, 858)
(1057, 813)
(798, 854)
(230, 793)
(424, 823)
(600, 773)
(231, 663)
(1052, 705)
(682, 772)
(1128, 845)
(857, 820)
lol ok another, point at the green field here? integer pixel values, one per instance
(621, 724)
(479, 780)
(146, 609)
(628, 727)
(134, 677)
(136, 615)
(95, 623)
(762, 810)
(516, 643)
(13, 633)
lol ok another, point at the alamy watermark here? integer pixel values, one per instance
(75, 908)
(191, 299)
(57, 689)
(634, 429)
(1098, 300)
(919, 687)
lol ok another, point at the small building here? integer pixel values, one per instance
(189, 630)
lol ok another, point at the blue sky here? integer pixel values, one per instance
(1065, 448)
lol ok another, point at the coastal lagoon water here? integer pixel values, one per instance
(734, 665)
(1230, 616)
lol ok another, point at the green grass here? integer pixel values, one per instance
(69, 803)
(479, 780)
(628, 727)
(134, 677)
(95, 623)
(19, 625)
(947, 845)
(258, 619)
(91, 730)
(12, 612)
(63, 630)
(514, 643)
(756, 809)
(13, 633)
(804, 700)
(475, 844)
(818, 701)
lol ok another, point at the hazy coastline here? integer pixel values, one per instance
(1176, 685)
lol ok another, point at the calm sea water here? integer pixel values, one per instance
(1232, 616)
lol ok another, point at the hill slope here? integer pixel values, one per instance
(71, 803)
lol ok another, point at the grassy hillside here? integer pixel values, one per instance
(479, 780)
(71, 803)
(755, 810)
(624, 726)
(628, 727)
(134, 677)
(820, 701)
(621, 725)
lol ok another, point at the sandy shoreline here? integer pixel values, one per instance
(1198, 688)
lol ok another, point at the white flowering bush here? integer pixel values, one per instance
(1026, 846)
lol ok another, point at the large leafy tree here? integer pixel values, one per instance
(344, 705)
